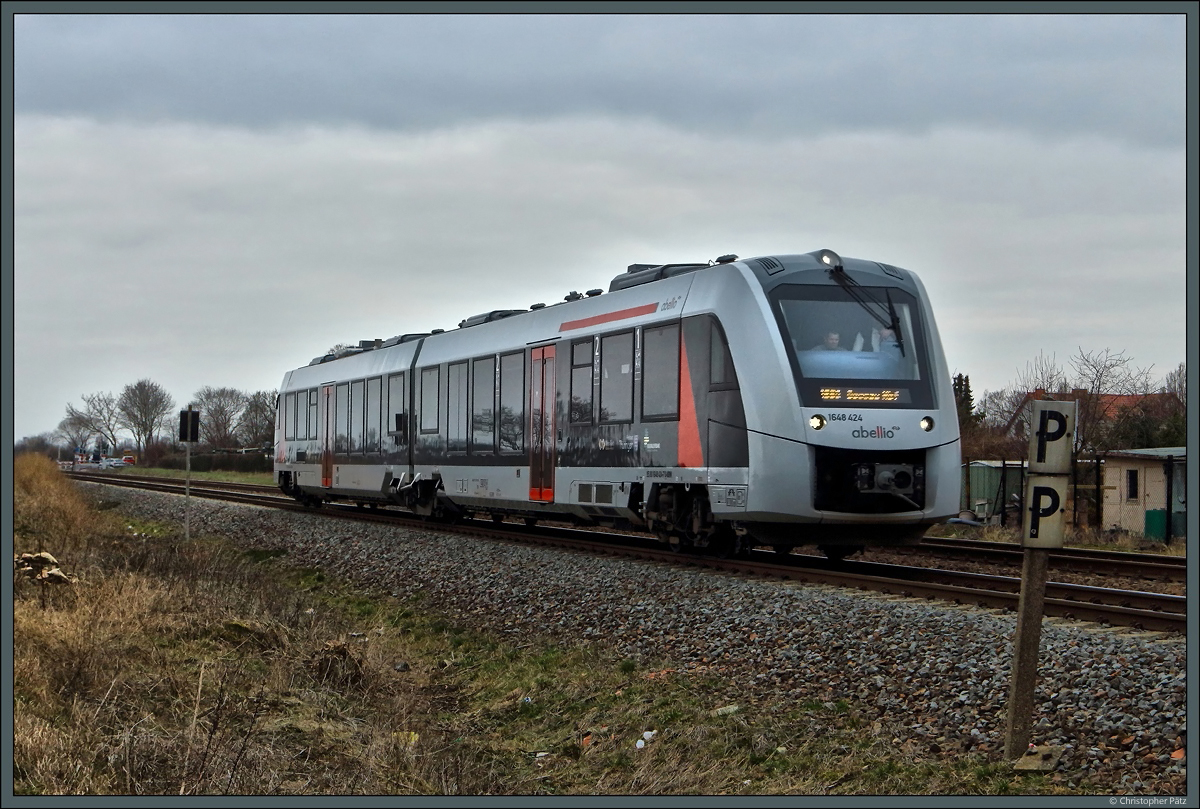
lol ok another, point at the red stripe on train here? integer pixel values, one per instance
(608, 317)
(690, 452)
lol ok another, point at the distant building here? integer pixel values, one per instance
(1135, 490)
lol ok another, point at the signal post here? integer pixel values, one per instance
(1050, 447)
(189, 433)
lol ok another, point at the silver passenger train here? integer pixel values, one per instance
(778, 401)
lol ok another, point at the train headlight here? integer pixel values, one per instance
(830, 259)
(926, 424)
(816, 421)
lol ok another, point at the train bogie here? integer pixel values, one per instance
(698, 402)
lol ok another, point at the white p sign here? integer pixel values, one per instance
(1051, 437)
(1045, 511)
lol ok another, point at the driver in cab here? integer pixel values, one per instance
(830, 343)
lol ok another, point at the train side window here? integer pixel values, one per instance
(456, 407)
(312, 414)
(512, 402)
(341, 410)
(430, 378)
(289, 417)
(616, 377)
(721, 375)
(356, 416)
(397, 422)
(581, 381)
(660, 373)
(374, 389)
(483, 405)
(301, 416)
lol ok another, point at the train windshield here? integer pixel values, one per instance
(856, 347)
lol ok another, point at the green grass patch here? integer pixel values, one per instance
(263, 478)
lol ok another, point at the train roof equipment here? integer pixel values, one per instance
(635, 275)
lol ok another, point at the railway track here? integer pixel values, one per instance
(1084, 560)
(1115, 607)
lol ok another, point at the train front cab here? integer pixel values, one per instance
(879, 444)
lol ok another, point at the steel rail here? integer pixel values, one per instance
(1148, 611)
(1089, 560)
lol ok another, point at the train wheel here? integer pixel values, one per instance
(782, 550)
(497, 518)
(726, 544)
(531, 521)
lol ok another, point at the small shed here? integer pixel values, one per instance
(1137, 486)
(989, 484)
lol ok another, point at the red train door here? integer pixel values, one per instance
(542, 445)
(326, 422)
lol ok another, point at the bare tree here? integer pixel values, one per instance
(144, 406)
(1010, 407)
(76, 432)
(1103, 374)
(257, 428)
(1176, 383)
(1110, 372)
(1044, 373)
(1099, 378)
(221, 410)
(102, 415)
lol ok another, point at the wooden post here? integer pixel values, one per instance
(1044, 512)
(1026, 645)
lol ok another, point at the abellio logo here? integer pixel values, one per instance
(878, 432)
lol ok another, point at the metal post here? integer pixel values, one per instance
(1099, 494)
(1074, 492)
(1169, 470)
(967, 481)
(1003, 492)
(187, 488)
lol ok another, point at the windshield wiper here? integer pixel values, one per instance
(895, 327)
(857, 292)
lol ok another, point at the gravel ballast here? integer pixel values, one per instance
(937, 675)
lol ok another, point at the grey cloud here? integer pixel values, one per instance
(265, 248)
(1119, 77)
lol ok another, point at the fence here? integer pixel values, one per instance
(224, 462)
(1126, 491)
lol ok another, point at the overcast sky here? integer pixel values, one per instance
(213, 200)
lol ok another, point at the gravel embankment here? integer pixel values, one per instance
(938, 675)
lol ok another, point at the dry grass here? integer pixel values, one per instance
(173, 668)
(1073, 538)
(47, 509)
(262, 478)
